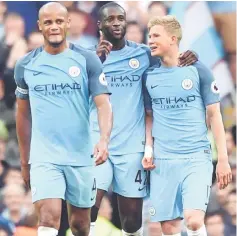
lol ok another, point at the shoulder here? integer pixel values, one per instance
(201, 67)
(22, 62)
(152, 69)
(86, 53)
(27, 58)
(138, 45)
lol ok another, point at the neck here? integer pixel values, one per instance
(117, 44)
(171, 59)
(56, 50)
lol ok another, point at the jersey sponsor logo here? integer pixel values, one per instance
(152, 211)
(173, 102)
(214, 87)
(122, 81)
(57, 89)
(187, 84)
(103, 80)
(74, 71)
(134, 63)
(22, 91)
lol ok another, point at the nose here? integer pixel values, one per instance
(116, 22)
(150, 41)
(54, 27)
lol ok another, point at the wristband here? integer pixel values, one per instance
(148, 151)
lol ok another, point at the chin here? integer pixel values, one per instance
(156, 54)
(55, 43)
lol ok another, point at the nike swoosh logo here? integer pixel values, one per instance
(154, 86)
(37, 73)
(92, 198)
(140, 189)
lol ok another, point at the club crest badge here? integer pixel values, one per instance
(134, 63)
(187, 84)
(74, 71)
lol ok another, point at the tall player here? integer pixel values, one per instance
(124, 65)
(180, 98)
(54, 84)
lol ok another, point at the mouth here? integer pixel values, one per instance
(54, 34)
(153, 48)
(117, 31)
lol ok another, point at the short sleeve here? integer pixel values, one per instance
(146, 95)
(22, 90)
(97, 81)
(209, 91)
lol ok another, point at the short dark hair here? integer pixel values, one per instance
(108, 5)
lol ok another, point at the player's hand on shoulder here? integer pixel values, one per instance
(223, 173)
(104, 47)
(147, 161)
(25, 172)
(101, 152)
(187, 58)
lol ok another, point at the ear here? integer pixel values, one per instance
(68, 23)
(174, 40)
(39, 25)
(99, 25)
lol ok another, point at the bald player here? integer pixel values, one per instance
(54, 83)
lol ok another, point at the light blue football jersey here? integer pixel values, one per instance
(123, 71)
(178, 97)
(58, 88)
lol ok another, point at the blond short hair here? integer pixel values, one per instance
(170, 23)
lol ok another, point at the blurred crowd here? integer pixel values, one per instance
(19, 35)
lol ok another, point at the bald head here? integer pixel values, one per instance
(52, 7)
(53, 23)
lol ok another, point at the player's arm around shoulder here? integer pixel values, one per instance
(23, 120)
(98, 89)
(210, 95)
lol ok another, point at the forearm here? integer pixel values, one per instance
(105, 117)
(149, 138)
(23, 127)
(219, 135)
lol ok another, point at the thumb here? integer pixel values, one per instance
(149, 160)
(181, 55)
(95, 151)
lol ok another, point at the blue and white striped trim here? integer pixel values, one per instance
(22, 91)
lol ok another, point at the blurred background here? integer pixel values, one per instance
(209, 28)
